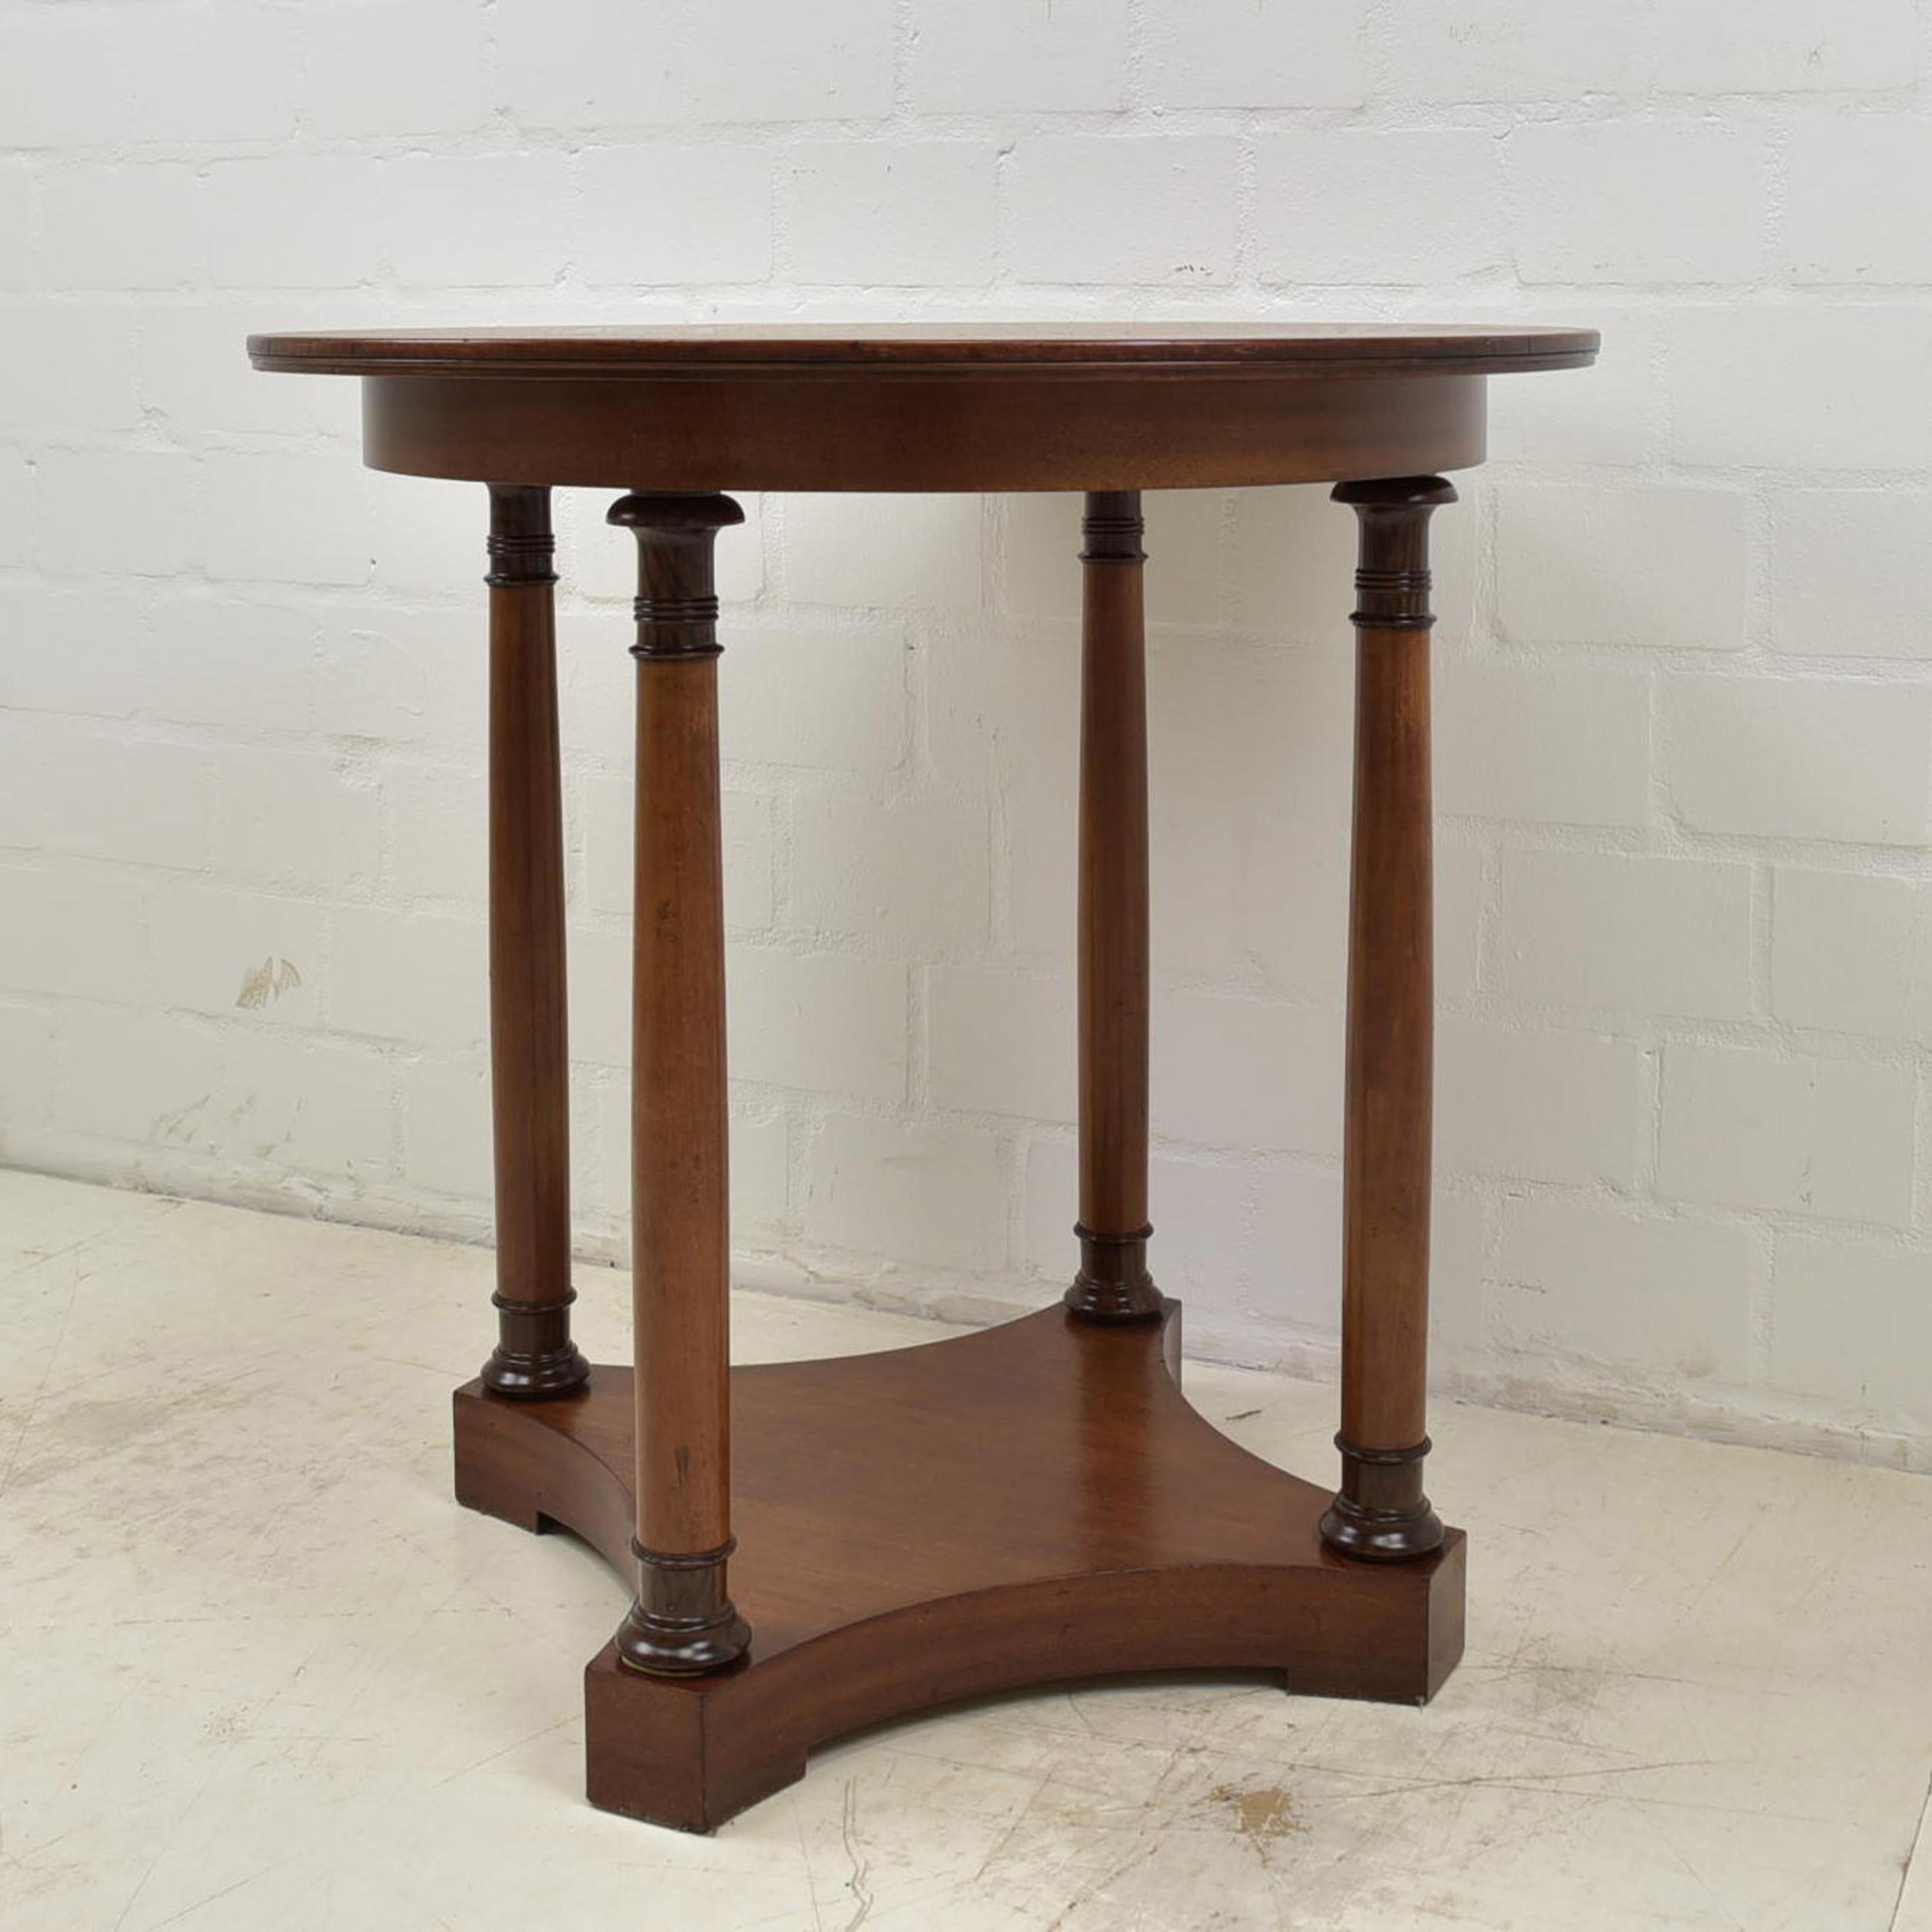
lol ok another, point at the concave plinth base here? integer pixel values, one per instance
(1032, 1503)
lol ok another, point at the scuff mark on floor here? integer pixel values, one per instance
(848, 1827)
(179, 1126)
(268, 981)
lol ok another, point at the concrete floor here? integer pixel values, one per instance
(258, 1671)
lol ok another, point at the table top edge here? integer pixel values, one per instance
(1300, 349)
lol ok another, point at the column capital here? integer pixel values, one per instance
(676, 605)
(1396, 493)
(1392, 579)
(521, 542)
(1112, 527)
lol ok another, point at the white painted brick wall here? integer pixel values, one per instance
(1801, 1134)
(1547, 742)
(913, 876)
(1798, 758)
(1233, 53)
(1843, 570)
(945, 1206)
(1683, 682)
(1586, 201)
(1880, 987)
(1001, 1042)
(1545, 51)
(1827, 384)
(1557, 578)
(863, 212)
(1563, 1276)
(1572, 1114)
(635, 228)
(1874, 1366)
(1625, 932)
(998, 56)
(1367, 207)
(432, 79)
(1157, 211)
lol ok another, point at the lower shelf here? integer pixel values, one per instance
(1032, 1503)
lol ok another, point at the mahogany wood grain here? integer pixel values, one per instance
(885, 429)
(1113, 1284)
(683, 1620)
(1064, 407)
(1380, 1513)
(1037, 1501)
(534, 1357)
(1098, 1524)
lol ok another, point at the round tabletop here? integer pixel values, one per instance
(925, 406)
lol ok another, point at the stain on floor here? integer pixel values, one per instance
(1262, 1814)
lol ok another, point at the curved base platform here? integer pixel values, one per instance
(1032, 1503)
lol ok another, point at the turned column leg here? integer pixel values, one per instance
(683, 1621)
(1113, 1284)
(1381, 1513)
(529, 1051)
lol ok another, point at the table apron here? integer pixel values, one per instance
(1202, 430)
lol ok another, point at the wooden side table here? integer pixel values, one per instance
(816, 1546)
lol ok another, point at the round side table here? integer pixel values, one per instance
(816, 1546)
